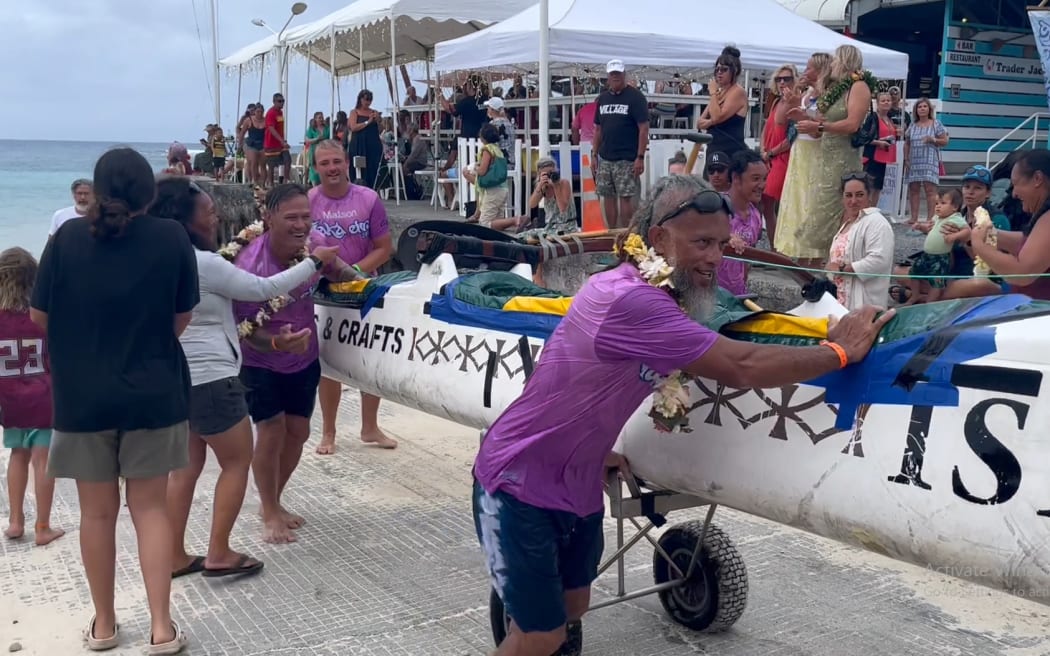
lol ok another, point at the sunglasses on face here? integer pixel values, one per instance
(706, 202)
(784, 79)
(721, 69)
(279, 101)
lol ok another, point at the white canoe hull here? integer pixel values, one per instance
(963, 490)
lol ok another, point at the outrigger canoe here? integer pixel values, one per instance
(933, 451)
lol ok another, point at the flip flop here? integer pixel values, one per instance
(196, 565)
(238, 569)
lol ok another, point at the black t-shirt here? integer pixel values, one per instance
(115, 360)
(619, 116)
(472, 116)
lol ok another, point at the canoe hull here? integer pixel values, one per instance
(963, 490)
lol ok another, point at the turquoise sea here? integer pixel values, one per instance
(34, 182)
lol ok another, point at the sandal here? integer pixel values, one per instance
(240, 568)
(101, 644)
(196, 565)
(173, 646)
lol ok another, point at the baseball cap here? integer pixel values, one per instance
(717, 159)
(614, 66)
(979, 173)
(494, 102)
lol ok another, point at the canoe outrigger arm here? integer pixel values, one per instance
(699, 575)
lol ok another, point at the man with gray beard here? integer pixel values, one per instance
(83, 196)
(538, 505)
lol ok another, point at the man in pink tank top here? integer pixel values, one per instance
(352, 217)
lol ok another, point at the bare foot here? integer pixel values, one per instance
(291, 519)
(15, 530)
(48, 535)
(327, 445)
(379, 439)
(276, 531)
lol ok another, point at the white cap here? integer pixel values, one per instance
(614, 66)
(494, 102)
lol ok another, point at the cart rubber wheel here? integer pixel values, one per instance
(715, 596)
(498, 618)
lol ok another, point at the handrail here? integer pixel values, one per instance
(1034, 139)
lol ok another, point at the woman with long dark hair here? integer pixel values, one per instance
(114, 292)
(218, 410)
(364, 139)
(1027, 252)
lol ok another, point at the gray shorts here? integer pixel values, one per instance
(105, 455)
(218, 406)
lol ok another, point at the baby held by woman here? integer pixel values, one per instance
(935, 259)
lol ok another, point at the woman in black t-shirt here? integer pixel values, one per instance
(114, 291)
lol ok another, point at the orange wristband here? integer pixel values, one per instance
(841, 352)
(273, 343)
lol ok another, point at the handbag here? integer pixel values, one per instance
(869, 129)
(496, 173)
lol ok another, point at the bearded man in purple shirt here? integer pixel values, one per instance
(538, 506)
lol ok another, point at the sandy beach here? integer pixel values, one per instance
(388, 564)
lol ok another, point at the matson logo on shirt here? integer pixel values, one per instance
(339, 231)
(614, 109)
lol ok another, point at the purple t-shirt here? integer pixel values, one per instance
(548, 447)
(352, 222)
(732, 274)
(257, 258)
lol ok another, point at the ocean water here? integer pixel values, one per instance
(34, 182)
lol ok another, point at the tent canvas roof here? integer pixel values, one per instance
(587, 33)
(419, 25)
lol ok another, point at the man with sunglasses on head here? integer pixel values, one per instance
(539, 473)
(275, 146)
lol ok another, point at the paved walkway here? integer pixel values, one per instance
(387, 564)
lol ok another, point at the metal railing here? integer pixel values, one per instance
(1030, 142)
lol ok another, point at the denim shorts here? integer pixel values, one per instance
(218, 406)
(534, 555)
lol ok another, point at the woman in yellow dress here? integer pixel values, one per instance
(826, 119)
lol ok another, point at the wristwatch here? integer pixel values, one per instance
(318, 264)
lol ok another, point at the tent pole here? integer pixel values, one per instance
(215, 60)
(395, 121)
(262, 72)
(361, 55)
(545, 79)
(306, 97)
(331, 59)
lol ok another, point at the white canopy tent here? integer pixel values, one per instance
(585, 34)
(372, 34)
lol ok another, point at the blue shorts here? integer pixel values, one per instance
(534, 555)
(27, 438)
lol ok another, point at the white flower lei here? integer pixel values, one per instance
(272, 306)
(671, 392)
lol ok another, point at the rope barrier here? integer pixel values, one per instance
(830, 274)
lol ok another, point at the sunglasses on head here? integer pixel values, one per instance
(860, 176)
(981, 173)
(706, 202)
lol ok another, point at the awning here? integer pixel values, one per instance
(830, 13)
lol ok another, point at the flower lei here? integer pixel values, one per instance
(274, 305)
(839, 89)
(671, 393)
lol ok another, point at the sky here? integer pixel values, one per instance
(113, 70)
